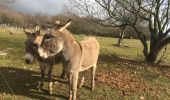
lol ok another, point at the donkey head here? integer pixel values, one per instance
(31, 44)
(53, 41)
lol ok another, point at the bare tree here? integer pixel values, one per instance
(103, 12)
(121, 37)
(155, 14)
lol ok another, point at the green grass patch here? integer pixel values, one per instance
(121, 73)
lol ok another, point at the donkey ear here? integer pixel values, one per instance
(37, 29)
(65, 26)
(26, 31)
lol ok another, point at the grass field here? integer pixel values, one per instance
(121, 73)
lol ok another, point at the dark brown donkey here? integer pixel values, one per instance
(32, 43)
(78, 56)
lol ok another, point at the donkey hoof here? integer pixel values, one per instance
(70, 97)
(63, 76)
(92, 89)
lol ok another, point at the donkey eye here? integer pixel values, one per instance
(48, 36)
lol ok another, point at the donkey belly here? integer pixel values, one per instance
(83, 68)
(88, 63)
(90, 53)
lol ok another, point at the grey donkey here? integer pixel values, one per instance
(32, 43)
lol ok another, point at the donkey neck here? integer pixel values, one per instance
(71, 47)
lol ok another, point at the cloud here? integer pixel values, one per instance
(50, 7)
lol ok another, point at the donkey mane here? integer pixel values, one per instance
(68, 37)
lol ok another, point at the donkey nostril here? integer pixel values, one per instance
(27, 61)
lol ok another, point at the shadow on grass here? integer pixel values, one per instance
(22, 82)
(109, 58)
(87, 87)
(61, 97)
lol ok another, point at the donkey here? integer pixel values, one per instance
(77, 56)
(32, 43)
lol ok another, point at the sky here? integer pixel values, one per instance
(50, 7)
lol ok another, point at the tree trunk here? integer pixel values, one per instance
(155, 46)
(131, 35)
(152, 56)
(121, 37)
(120, 40)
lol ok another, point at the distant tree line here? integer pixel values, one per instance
(80, 25)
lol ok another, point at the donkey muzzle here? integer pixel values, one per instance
(29, 58)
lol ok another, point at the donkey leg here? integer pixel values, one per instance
(64, 75)
(50, 83)
(93, 76)
(70, 86)
(82, 80)
(74, 85)
(41, 83)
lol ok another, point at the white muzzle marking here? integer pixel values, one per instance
(42, 53)
(29, 56)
